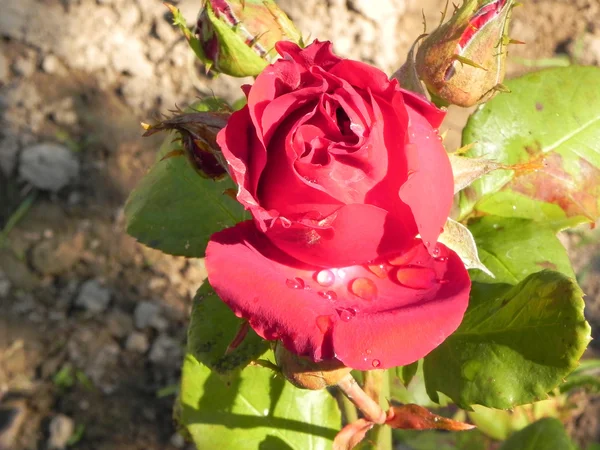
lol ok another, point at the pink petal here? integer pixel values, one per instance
(429, 189)
(321, 317)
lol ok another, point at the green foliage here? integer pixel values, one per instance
(406, 373)
(212, 328)
(513, 248)
(515, 344)
(546, 433)
(254, 410)
(550, 125)
(175, 210)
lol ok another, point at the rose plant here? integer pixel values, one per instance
(342, 241)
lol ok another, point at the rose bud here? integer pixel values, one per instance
(307, 374)
(237, 37)
(197, 132)
(349, 187)
(463, 61)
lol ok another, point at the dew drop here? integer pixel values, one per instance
(376, 363)
(427, 244)
(380, 270)
(436, 252)
(346, 315)
(324, 323)
(325, 278)
(328, 295)
(295, 283)
(416, 277)
(364, 288)
(405, 258)
(442, 259)
(443, 281)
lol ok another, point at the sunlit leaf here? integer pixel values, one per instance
(550, 119)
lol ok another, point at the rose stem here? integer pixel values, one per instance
(365, 404)
(383, 435)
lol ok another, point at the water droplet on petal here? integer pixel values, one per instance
(436, 252)
(346, 315)
(364, 288)
(376, 363)
(324, 323)
(416, 277)
(325, 278)
(295, 283)
(378, 269)
(442, 259)
(427, 244)
(443, 281)
(328, 295)
(405, 258)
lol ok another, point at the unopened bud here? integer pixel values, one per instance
(463, 61)
(237, 37)
(307, 374)
(198, 133)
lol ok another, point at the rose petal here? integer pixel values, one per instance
(353, 234)
(316, 54)
(434, 115)
(429, 189)
(283, 299)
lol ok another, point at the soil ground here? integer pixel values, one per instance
(92, 323)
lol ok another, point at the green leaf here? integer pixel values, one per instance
(414, 391)
(550, 122)
(500, 424)
(175, 210)
(212, 328)
(406, 373)
(254, 410)
(514, 248)
(515, 344)
(546, 433)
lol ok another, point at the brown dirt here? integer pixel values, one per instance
(84, 73)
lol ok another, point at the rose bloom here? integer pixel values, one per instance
(349, 186)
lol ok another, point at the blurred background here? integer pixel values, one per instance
(92, 324)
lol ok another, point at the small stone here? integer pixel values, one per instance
(61, 429)
(48, 166)
(177, 441)
(137, 342)
(93, 297)
(51, 64)
(148, 314)
(165, 351)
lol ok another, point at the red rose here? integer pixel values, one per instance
(341, 170)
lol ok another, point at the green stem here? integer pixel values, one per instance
(349, 412)
(383, 436)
